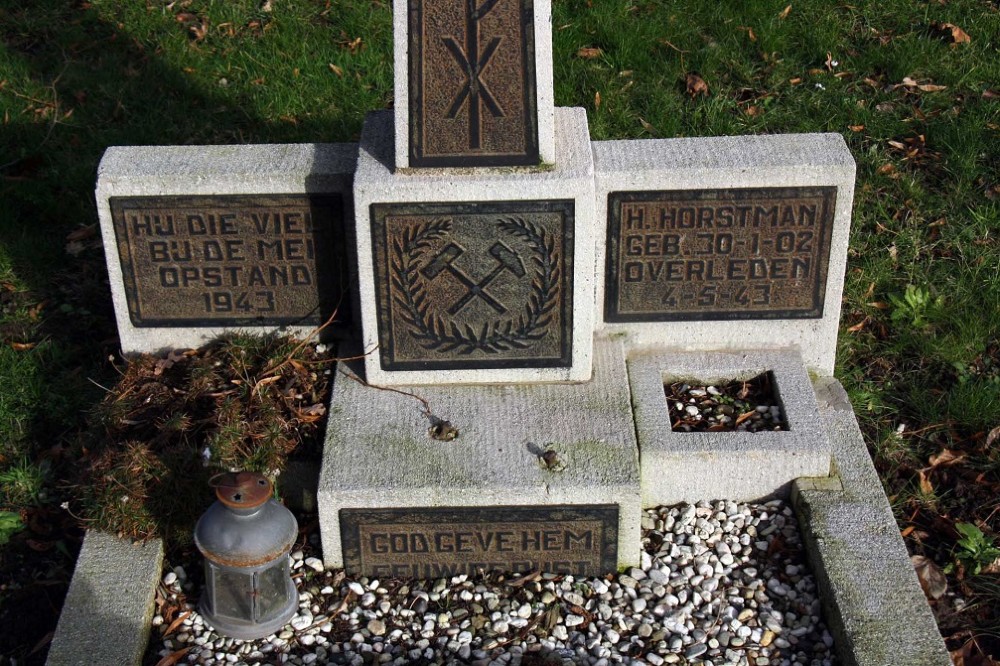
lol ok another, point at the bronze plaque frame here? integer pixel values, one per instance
(196, 247)
(470, 285)
(718, 254)
(446, 541)
(487, 98)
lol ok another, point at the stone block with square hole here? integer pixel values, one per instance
(476, 275)
(682, 466)
(379, 453)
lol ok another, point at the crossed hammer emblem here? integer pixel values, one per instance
(506, 258)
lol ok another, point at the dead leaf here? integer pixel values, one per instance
(176, 623)
(953, 32)
(830, 63)
(82, 233)
(795, 81)
(173, 657)
(989, 93)
(750, 33)
(946, 458)
(646, 126)
(266, 6)
(886, 168)
(924, 87)
(197, 27)
(695, 85)
(752, 111)
(993, 436)
(907, 532)
(589, 52)
(856, 128)
(785, 12)
(526, 578)
(597, 100)
(857, 327)
(931, 578)
(23, 346)
(336, 70)
(925, 483)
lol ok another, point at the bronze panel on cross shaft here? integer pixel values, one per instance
(474, 285)
(472, 83)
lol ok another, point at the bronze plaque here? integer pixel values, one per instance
(231, 260)
(581, 540)
(474, 285)
(758, 253)
(472, 83)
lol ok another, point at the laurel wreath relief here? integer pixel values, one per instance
(434, 333)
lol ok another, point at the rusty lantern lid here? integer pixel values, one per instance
(243, 490)
(245, 528)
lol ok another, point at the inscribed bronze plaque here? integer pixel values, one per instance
(231, 260)
(474, 285)
(758, 253)
(472, 83)
(581, 540)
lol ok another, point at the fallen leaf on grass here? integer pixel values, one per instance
(856, 128)
(336, 70)
(597, 100)
(993, 436)
(925, 483)
(646, 126)
(931, 578)
(197, 27)
(785, 12)
(946, 457)
(82, 233)
(923, 87)
(953, 33)
(750, 33)
(23, 346)
(857, 327)
(989, 93)
(589, 52)
(886, 169)
(695, 85)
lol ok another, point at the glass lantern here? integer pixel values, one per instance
(245, 538)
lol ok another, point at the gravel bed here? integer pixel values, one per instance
(720, 583)
(749, 406)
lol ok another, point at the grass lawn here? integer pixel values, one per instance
(913, 86)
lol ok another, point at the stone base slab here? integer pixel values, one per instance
(742, 466)
(378, 453)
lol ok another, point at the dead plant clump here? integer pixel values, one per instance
(174, 421)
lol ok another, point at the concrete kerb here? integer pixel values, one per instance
(107, 614)
(872, 599)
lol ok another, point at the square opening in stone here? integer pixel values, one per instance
(736, 405)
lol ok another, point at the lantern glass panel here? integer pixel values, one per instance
(272, 588)
(233, 593)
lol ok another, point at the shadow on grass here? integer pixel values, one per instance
(102, 88)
